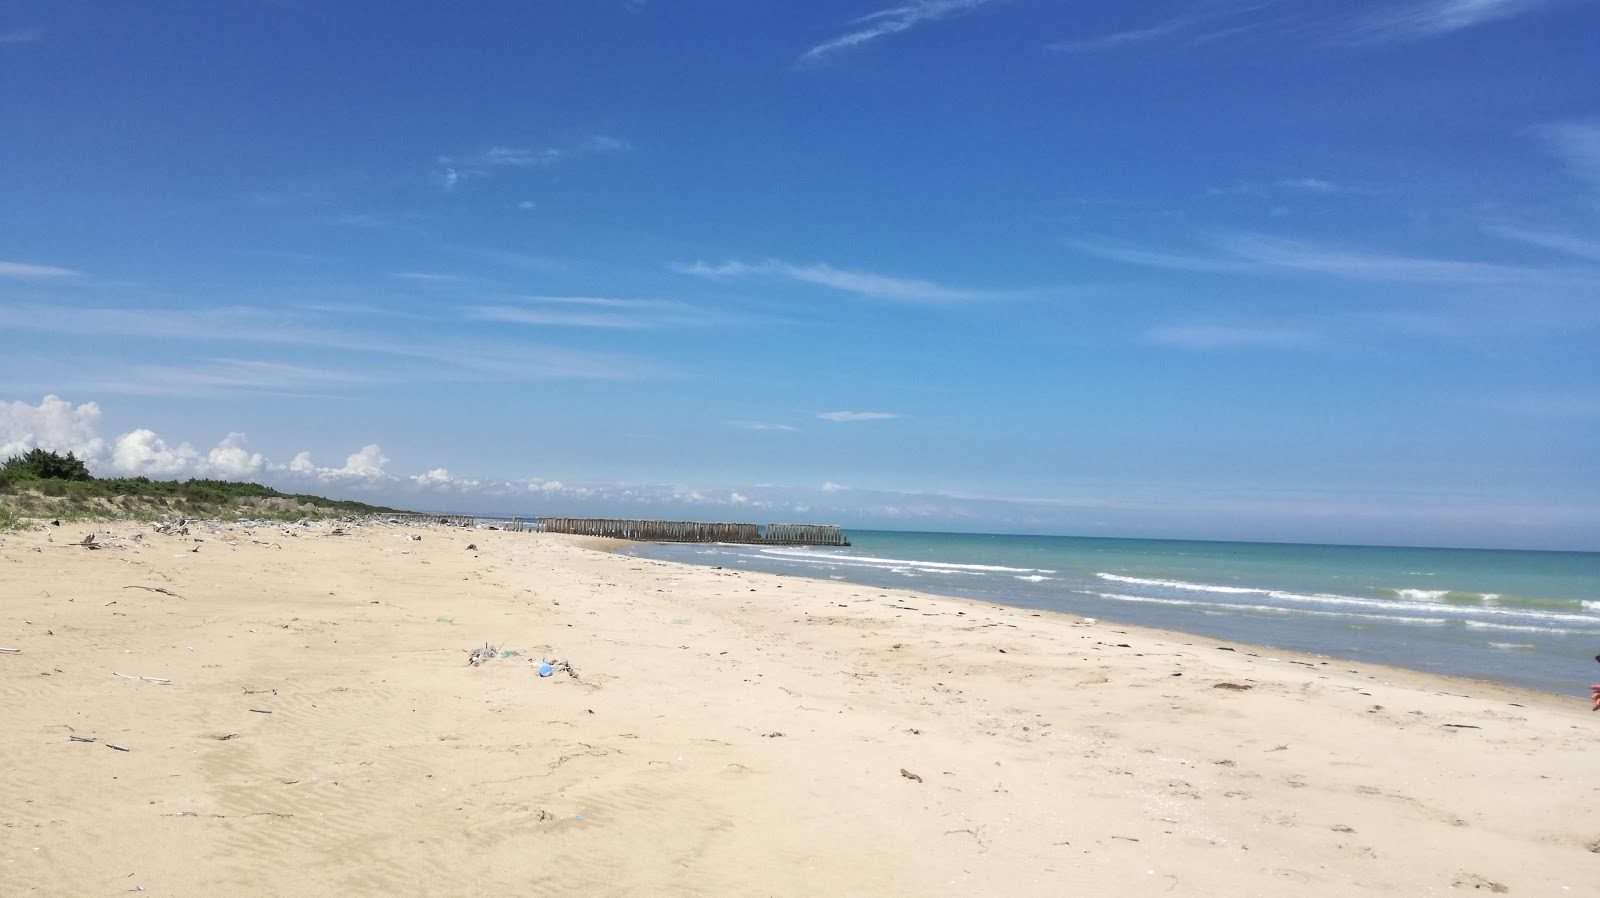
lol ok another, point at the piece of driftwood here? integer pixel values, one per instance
(81, 738)
(9, 651)
(165, 592)
(909, 775)
(161, 681)
(117, 747)
(249, 691)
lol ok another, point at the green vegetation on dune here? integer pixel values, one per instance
(40, 484)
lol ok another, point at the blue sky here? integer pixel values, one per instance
(1319, 271)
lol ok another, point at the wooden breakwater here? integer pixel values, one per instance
(695, 531)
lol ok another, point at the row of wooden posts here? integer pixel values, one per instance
(654, 531)
(695, 531)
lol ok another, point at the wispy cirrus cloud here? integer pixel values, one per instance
(29, 35)
(1577, 144)
(861, 283)
(1422, 19)
(452, 170)
(595, 311)
(889, 21)
(1262, 254)
(1221, 336)
(34, 272)
(851, 417)
(1568, 244)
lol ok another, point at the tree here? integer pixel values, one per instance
(42, 465)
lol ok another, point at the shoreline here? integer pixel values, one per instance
(318, 732)
(1274, 654)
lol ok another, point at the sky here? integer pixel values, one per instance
(1220, 269)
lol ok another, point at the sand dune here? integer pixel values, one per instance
(728, 733)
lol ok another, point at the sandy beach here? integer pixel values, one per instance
(311, 726)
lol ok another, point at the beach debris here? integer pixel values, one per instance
(478, 656)
(224, 737)
(259, 711)
(165, 592)
(1463, 726)
(909, 775)
(81, 738)
(472, 547)
(9, 651)
(249, 691)
(774, 735)
(1236, 687)
(160, 681)
(88, 542)
(117, 747)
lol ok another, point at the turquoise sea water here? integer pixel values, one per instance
(1528, 619)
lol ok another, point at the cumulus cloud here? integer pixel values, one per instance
(231, 461)
(54, 425)
(442, 479)
(141, 453)
(831, 487)
(364, 465)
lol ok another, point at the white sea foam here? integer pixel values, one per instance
(1224, 607)
(1425, 595)
(1034, 578)
(929, 566)
(1180, 584)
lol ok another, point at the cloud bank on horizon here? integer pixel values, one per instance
(1202, 268)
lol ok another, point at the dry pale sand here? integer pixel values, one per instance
(729, 734)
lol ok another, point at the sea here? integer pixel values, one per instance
(1522, 618)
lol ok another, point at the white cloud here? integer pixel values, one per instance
(1419, 19)
(862, 283)
(858, 416)
(595, 311)
(1259, 254)
(831, 487)
(1210, 336)
(738, 498)
(25, 270)
(54, 425)
(762, 425)
(452, 170)
(1578, 145)
(1132, 37)
(29, 35)
(892, 20)
(442, 479)
(231, 461)
(141, 453)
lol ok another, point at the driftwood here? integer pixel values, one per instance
(478, 656)
(165, 592)
(117, 747)
(80, 738)
(161, 681)
(9, 651)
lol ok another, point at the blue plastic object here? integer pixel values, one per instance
(545, 669)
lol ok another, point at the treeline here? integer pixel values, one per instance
(65, 477)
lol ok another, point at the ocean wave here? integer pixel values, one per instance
(1032, 578)
(1479, 605)
(1180, 584)
(873, 561)
(1271, 609)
